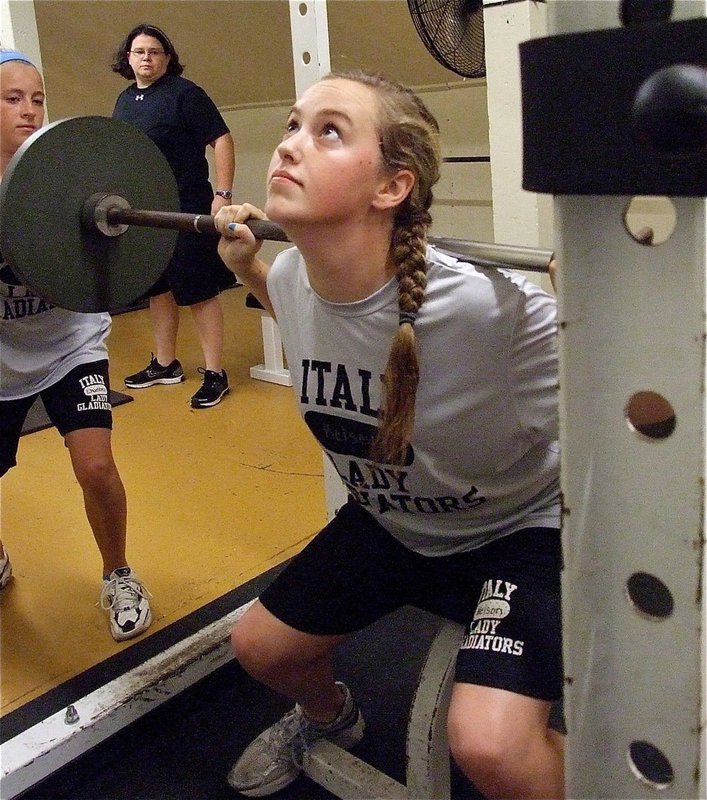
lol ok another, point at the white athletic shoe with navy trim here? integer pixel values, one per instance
(124, 595)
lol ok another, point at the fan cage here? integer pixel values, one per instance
(453, 33)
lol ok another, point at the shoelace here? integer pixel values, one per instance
(124, 592)
(290, 740)
(294, 735)
(154, 366)
(210, 377)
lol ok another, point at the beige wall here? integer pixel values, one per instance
(240, 52)
(462, 207)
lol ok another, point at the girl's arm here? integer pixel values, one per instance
(238, 249)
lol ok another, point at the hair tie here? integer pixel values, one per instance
(407, 316)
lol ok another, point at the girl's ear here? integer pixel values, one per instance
(393, 190)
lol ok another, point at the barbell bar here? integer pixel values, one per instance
(112, 216)
(76, 230)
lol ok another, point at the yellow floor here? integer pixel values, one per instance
(215, 498)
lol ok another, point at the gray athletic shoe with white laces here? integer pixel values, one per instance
(276, 757)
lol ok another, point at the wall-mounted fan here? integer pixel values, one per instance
(453, 32)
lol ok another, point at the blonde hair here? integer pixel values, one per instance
(409, 139)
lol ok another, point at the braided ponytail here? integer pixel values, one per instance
(409, 139)
(402, 372)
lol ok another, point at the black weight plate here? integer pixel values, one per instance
(42, 195)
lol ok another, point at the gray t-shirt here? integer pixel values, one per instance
(41, 343)
(484, 456)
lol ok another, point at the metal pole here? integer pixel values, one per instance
(632, 326)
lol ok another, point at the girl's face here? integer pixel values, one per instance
(21, 105)
(148, 59)
(328, 166)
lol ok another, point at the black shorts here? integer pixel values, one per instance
(81, 399)
(506, 594)
(195, 272)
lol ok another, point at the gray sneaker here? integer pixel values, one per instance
(276, 757)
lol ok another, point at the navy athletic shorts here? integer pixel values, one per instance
(506, 594)
(195, 272)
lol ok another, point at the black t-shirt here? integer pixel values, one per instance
(181, 119)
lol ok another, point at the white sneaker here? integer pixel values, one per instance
(5, 570)
(275, 758)
(126, 597)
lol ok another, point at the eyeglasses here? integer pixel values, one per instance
(140, 53)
